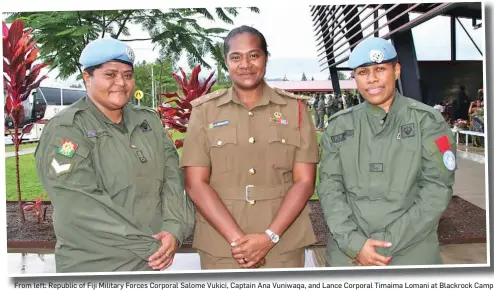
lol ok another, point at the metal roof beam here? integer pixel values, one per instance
(351, 46)
(355, 25)
(409, 25)
(370, 24)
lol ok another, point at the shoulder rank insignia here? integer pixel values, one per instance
(67, 148)
(60, 168)
(291, 95)
(208, 97)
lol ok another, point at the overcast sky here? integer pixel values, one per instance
(292, 44)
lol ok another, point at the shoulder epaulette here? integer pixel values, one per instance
(154, 112)
(207, 97)
(342, 112)
(291, 95)
(66, 117)
(145, 108)
(424, 108)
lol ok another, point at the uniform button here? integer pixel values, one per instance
(252, 140)
(283, 141)
(219, 143)
(133, 146)
(251, 114)
(382, 122)
(252, 171)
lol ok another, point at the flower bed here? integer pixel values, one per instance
(462, 222)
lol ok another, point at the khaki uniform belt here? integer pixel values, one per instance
(251, 193)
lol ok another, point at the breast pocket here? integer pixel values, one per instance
(349, 159)
(283, 143)
(403, 169)
(108, 161)
(101, 138)
(222, 146)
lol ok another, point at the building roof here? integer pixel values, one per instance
(312, 86)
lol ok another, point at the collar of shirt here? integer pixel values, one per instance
(378, 118)
(396, 106)
(268, 95)
(130, 117)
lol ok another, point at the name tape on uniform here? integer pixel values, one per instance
(219, 124)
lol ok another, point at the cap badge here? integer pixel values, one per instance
(130, 53)
(376, 56)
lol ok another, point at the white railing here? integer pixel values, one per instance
(466, 133)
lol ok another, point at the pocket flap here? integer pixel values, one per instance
(223, 136)
(287, 136)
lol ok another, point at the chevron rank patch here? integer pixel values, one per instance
(67, 148)
(60, 168)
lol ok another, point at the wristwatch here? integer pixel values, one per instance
(272, 236)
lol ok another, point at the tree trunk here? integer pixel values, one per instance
(17, 142)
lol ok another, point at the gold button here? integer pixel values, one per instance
(219, 143)
(251, 114)
(252, 140)
(283, 141)
(252, 171)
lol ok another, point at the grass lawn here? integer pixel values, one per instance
(30, 185)
(11, 148)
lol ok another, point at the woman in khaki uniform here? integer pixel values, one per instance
(250, 157)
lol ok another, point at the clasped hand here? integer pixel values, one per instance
(368, 255)
(163, 258)
(250, 250)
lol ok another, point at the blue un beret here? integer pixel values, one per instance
(106, 49)
(370, 51)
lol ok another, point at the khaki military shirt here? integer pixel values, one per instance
(251, 155)
(386, 177)
(112, 186)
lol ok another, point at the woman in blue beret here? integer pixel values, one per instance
(112, 174)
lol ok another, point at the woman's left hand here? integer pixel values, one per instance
(163, 258)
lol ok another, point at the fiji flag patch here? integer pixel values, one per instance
(67, 148)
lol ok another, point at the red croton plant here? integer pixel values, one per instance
(175, 113)
(20, 78)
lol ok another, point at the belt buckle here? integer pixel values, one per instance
(250, 201)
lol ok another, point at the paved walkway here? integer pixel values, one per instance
(21, 152)
(470, 182)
